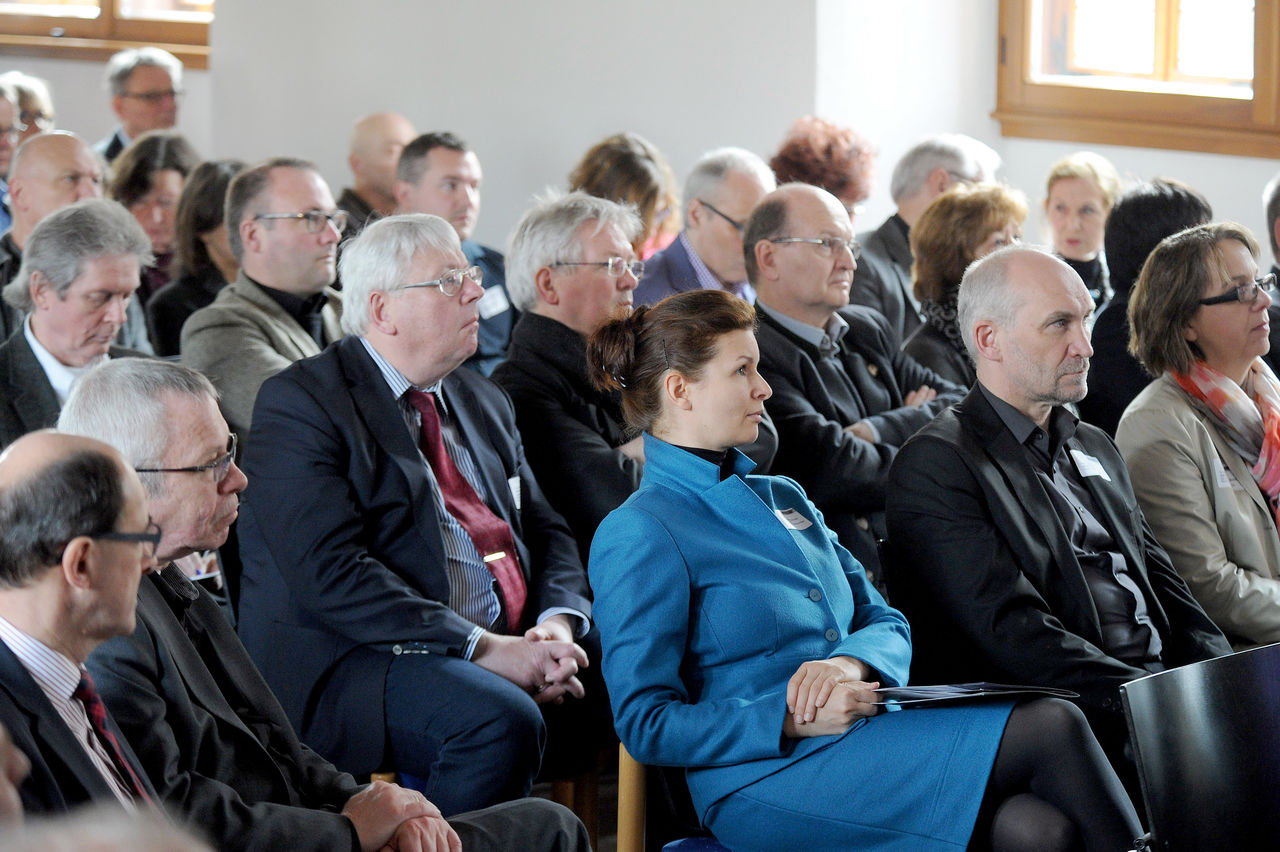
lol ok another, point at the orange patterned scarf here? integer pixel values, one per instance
(1248, 417)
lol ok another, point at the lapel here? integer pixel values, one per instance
(34, 400)
(1241, 471)
(380, 413)
(473, 427)
(59, 749)
(1024, 495)
(285, 326)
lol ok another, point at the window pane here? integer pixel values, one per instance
(61, 8)
(192, 11)
(1108, 36)
(1215, 39)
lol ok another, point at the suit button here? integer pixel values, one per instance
(832, 634)
(815, 595)
(397, 650)
(864, 524)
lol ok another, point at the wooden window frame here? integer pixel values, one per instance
(55, 37)
(1139, 119)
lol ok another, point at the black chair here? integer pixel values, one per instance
(1207, 742)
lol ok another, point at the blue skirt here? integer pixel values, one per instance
(906, 781)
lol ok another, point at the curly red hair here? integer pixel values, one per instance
(837, 159)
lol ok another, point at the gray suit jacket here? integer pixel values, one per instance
(27, 400)
(882, 280)
(245, 338)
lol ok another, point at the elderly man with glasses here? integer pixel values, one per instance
(284, 229)
(145, 85)
(720, 192)
(845, 397)
(408, 592)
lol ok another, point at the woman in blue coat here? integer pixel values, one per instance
(743, 642)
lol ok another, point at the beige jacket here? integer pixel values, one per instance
(244, 338)
(1207, 511)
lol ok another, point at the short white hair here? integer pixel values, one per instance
(548, 234)
(122, 65)
(379, 259)
(955, 152)
(714, 167)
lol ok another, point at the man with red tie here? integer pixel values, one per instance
(408, 592)
(75, 540)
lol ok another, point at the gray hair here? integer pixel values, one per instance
(713, 167)
(124, 63)
(955, 152)
(379, 259)
(66, 239)
(122, 403)
(985, 293)
(548, 233)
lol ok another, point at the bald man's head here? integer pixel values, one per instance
(376, 143)
(49, 172)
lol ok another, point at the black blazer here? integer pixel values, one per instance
(343, 556)
(844, 475)
(62, 775)
(27, 400)
(882, 280)
(986, 574)
(247, 780)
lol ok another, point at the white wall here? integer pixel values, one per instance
(546, 79)
(529, 85)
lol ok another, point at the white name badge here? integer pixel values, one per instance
(793, 520)
(1224, 478)
(514, 484)
(493, 302)
(1088, 465)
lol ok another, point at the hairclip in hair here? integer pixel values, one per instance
(621, 383)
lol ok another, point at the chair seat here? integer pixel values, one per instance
(695, 844)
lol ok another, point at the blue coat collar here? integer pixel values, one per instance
(672, 467)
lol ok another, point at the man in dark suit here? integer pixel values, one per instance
(720, 193)
(210, 735)
(408, 592)
(440, 175)
(1021, 555)
(75, 541)
(79, 271)
(883, 280)
(844, 395)
(145, 85)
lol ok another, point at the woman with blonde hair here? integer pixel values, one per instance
(1081, 190)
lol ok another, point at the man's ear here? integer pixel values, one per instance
(766, 259)
(77, 562)
(401, 190)
(545, 283)
(986, 335)
(380, 312)
(250, 234)
(41, 289)
(695, 213)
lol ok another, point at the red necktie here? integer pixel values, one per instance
(88, 696)
(489, 533)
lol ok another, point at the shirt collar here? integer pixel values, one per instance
(1062, 423)
(826, 341)
(707, 280)
(60, 376)
(54, 671)
(396, 380)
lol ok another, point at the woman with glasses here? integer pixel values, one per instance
(147, 178)
(1202, 441)
(741, 641)
(965, 223)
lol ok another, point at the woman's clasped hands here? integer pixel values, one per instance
(825, 697)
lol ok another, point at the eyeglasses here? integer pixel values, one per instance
(739, 226)
(155, 97)
(616, 266)
(451, 282)
(151, 538)
(13, 132)
(1247, 293)
(959, 178)
(314, 219)
(39, 119)
(827, 245)
(220, 466)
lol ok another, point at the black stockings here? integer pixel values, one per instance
(1052, 789)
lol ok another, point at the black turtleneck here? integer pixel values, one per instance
(1093, 275)
(720, 458)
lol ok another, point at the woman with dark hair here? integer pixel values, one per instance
(826, 155)
(965, 223)
(743, 642)
(1202, 441)
(204, 262)
(147, 178)
(628, 169)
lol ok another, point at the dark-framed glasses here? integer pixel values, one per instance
(220, 466)
(1247, 293)
(615, 266)
(150, 538)
(451, 282)
(738, 226)
(155, 97)
(827, 246)
(315, 219)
